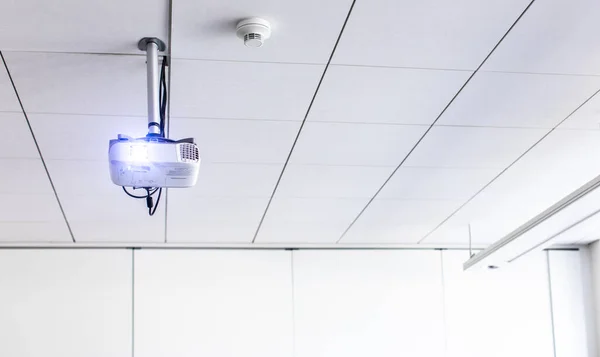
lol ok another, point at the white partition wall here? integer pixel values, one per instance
(355, 303)
(571, 338)
(65, 303)
(281, 303)
(225, 303)
(498, 313)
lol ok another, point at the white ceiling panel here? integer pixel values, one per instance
(113, 218)
(385, 95)
(386, 234)
(242, 90)
(206, 30)
(319, 181)
(235, 180)
(35, 232)
(80, 83)
(553, 37)
(19, 143)
(472, 147)
(425, 34)
(587, 117)
(8, 99)
(238, 141)
(305, 220)
(31, 212)
(116, 208)
(24, 176)
(519, 100)
(355, 144)
(422, 183)
(213, 219)
(488, 224)
(398, 221)
(560, 164)
(29, 208)
(76, 26)
(451, 235)
(82, 137)
(79, 177)
(300, 232)
(104, 232)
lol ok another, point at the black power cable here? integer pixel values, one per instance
(163, 97)
(151, 191)
(150, 210)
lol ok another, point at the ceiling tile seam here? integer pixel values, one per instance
(241, 163)
(508, 167)
(578, 129)
(375, 123)
(242, 62)
(28, 222)
(437, 118)
(122, 116)
(136, 116)
(237, 119)
(324, 63)
(543, 73)
(168, 110)
(19, 158)
(403, 67)
(37, 147)
(305, 118)
(141, 54)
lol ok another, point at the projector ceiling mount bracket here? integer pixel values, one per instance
(152, 45)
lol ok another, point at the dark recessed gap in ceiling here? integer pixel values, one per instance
(437, 118)
(304, 120)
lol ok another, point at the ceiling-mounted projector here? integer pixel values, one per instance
(153, 162)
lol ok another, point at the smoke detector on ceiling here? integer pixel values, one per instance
(254, 31)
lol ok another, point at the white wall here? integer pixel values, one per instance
(594, 253)
(567, 283)
(498, 313)
(226, 303)
(276, 303)
(357, 303)
(65, 303)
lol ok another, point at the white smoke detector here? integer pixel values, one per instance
(254, 31)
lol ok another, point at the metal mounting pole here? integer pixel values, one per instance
(152, 45)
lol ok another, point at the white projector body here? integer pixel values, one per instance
(153, 162)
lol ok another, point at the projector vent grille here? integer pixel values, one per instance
(189, 152)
